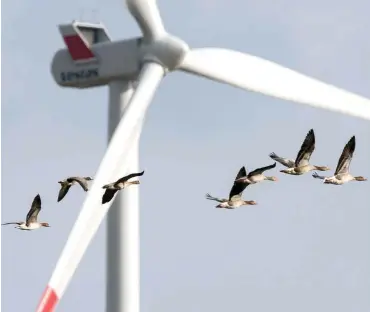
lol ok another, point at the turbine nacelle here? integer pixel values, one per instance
(91, 59)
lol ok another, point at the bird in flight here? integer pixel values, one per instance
(31, 222)
(342, 174)
(302, 163)
(112, 188)
(66, 184)
(256, 175)
(235, 196)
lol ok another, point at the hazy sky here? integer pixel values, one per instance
(305, 247)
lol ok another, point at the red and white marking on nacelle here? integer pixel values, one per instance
(78, 47)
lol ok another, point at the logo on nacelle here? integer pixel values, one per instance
(83, 74)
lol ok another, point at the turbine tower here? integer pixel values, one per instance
(133, 69)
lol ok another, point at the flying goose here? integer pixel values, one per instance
(67, 183)
(231, 203)
(112, 188)
(236, 191)
(31, 222)
(256, 175)
(342, 174)
(301, 165)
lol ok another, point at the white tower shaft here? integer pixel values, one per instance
(123, 232)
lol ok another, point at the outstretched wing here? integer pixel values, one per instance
(34, 211)
(284, 161)
(82, 182)
(18, 223)
(316, 176)
(63, 191)
(346, 157)
(129, 176)
(238, 187)
(307, 148)
(220, 200)
(241, 173)
(108, 195)
(261, 170)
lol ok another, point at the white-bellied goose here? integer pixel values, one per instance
(301, 165)
(257, 175)
(31, 222)
(342, 174)
(120, 184)
(67, 183)
(231, 203)
(236, 191)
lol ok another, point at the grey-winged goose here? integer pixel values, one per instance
(301, 165)
(342, 174)
(235, 194)
(120, 184)
(67, 183)
(31, 222)
(257, 175)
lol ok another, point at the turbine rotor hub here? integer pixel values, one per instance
(168, 51)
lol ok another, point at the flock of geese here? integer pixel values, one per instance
(31, 222)
(300, 166)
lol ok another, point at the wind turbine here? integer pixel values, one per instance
(92, 59)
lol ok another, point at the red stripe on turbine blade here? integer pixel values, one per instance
(48, 301)
(77, 48)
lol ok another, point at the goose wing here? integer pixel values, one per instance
(238, 188)
(220, 200)
(34, 211)
(307, 148)
(284, 161)
(261, 170)
(82, 182)
(108, 195)
(241, 173)
(7, 223)
(129, 176)
(64, 188)
(317, 176)
(346, 157)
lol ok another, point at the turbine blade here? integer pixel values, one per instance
(147, 16)
(92, 212)
(259, 75)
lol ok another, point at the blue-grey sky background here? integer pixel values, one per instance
(305, 247)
